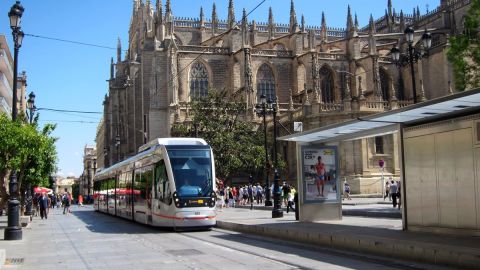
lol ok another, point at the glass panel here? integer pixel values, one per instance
(192, 170)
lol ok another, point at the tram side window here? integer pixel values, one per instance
(139, 187)
(128, 187)
(148, 175)
(161, 181)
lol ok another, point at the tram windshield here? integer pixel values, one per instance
(192, 170)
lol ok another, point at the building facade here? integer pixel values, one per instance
(6, 77)
(85, 180)
(318, 75)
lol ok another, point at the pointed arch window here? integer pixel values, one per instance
(384, 84)
(265, 82)
(198, 81)
(326, 85)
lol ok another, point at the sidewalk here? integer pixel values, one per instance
(374, 207)
(382, 237)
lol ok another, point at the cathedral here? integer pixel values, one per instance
(318, 75)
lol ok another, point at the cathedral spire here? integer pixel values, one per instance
(214, 19)
(402, 21)
(303, 26)
(356, 22)
(245, 37)
(350, 27)
(159, 11)
(168, 7)
(271, 24)
(371, 25)
(202, 18)
(372, 42)
(231, 14)
(119, 51)
(323, 35)
(390, 14)
(293, 18)
(418, 13)
(112, 68)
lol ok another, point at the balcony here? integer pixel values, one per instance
(5, 107)
(5, 65)
(5, 86)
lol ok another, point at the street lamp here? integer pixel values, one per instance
(13, 231)
(277, 208)
(413, 55)
(117, 144)
(31, 106)
(31, 109)
(261, 109)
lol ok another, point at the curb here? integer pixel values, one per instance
(410, 250)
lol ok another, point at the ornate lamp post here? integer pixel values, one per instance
(413, 55)
(277, 209)
(31, 106)
(117, 145)
(31, 109)
(13, 231)
(262, 110)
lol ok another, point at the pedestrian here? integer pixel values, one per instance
(259, 194)
(285, 193)
(290, 200)
(54, 201)
(66, 200)
(221, 197)
(36, 196)
(346, 190)
(399, 192)
(43, 205)
(80, 200)
(387, 190)
(393, 191)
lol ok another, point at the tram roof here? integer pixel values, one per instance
(442, 108)
(172, 141)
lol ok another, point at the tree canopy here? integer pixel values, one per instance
(237, 145)
(29, 151)
(464, 52)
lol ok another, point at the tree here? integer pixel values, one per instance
(237, 144)
(30, 152)
(464, 52)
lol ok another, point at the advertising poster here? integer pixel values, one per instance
(320, 178)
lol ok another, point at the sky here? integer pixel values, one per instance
(70, 76)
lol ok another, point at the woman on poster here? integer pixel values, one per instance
(320, 176)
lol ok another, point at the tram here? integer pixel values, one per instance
(169, 183)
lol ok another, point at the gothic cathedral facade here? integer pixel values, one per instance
(319, 75)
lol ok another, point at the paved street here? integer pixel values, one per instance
(89, 240)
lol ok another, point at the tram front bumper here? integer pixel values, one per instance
(195, 218)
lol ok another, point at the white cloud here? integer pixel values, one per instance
(71, 174)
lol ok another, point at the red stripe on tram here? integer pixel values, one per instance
(182, 218)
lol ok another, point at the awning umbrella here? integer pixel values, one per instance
(42, 189)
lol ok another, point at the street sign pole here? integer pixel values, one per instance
(381, 163)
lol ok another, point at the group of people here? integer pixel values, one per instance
(43, 202)
(252, 194)
(393, 192)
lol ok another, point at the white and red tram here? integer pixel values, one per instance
(169, 183)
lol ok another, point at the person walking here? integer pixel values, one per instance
(66, 200)
(393, 191)
(346, 190)
(80, 200)
(43, 203)
(387, 191)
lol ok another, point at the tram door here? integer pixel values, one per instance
(161, 194)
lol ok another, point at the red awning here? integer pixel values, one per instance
(42, 190)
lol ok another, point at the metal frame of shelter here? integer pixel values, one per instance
(443, 108)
